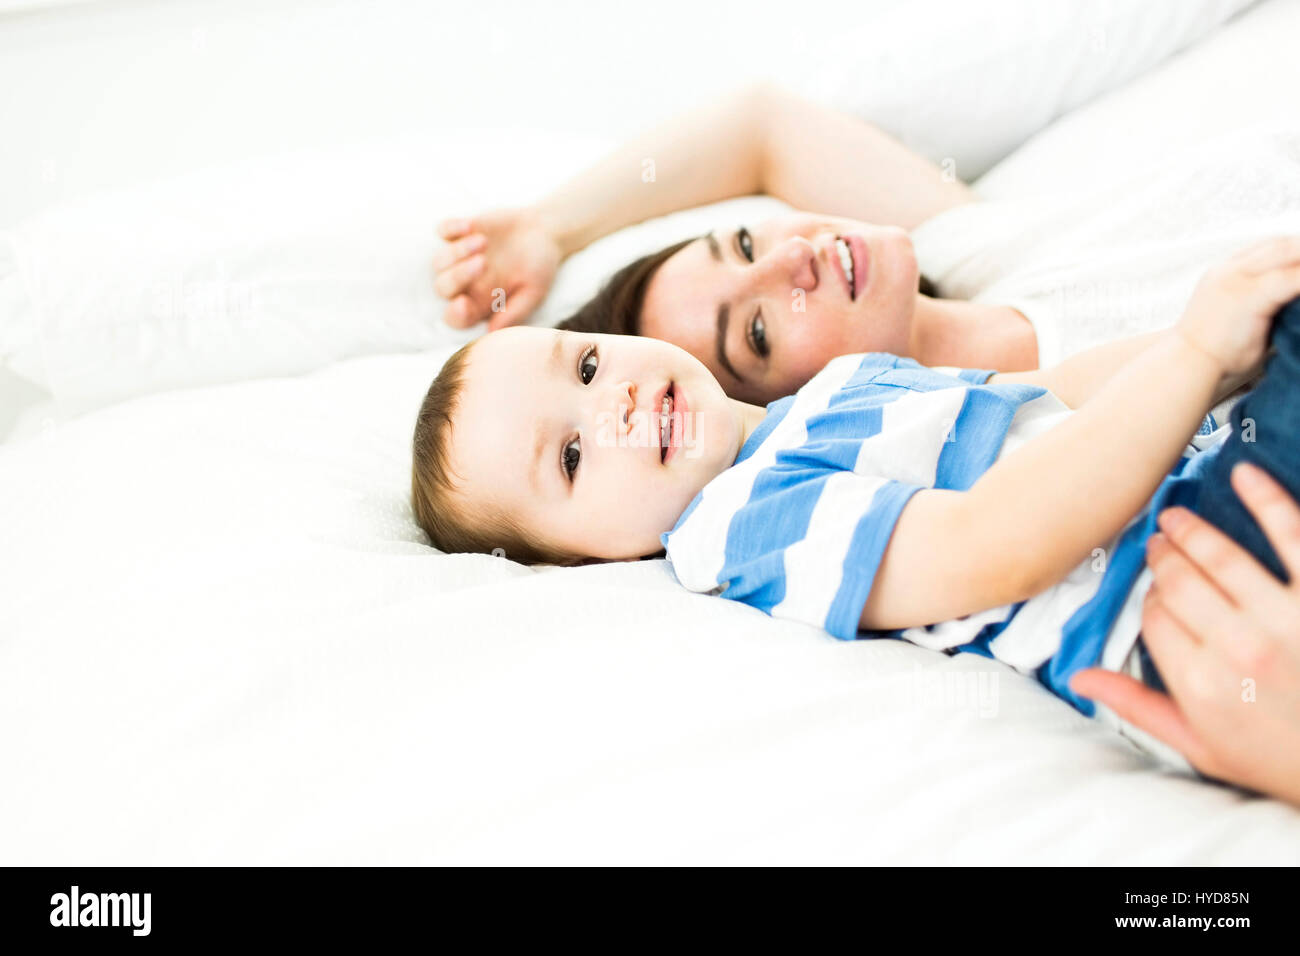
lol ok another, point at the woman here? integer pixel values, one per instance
(763, 141)
(1028, 281)
(763, 306)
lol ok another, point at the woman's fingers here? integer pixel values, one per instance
(1277, 513)
(1143, 707)
(517, 307)
(461, 312)
(1188, 594)
(454, 279)
(1224, 564)
(1172, 645)
(1219, 566)
(501, 311)
(458, 249)
(454, 228)
(1282, 284)
(1271, 254)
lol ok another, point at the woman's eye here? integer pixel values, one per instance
(587, 365)
(745, 242)
(572, 455)
(758, 336)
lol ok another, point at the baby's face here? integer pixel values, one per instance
(565, 432)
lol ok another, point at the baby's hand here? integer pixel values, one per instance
(1231, 310)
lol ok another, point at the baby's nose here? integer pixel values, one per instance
(625, 398)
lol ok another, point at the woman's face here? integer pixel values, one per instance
(766, 307)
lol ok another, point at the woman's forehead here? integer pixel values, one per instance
(679, 298)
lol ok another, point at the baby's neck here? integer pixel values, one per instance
(751, 416)
(972, 335)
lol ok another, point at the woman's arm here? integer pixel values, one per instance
(759, 140)
(822, 160)
(710, 154)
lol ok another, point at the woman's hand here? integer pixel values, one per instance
(1231, 310)
(497, 266)
(1225, 636)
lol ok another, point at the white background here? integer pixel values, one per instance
(198, 82)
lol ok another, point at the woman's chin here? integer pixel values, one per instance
(903, 259)
(897, 302)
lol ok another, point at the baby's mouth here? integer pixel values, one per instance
(666, 425)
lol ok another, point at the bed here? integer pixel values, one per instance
(226, 641)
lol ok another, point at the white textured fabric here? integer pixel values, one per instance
(965, 84)
(221, 621)
(269, 267)
(1243, 75)
(1087, 267)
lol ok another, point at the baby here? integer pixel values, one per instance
(1004, 514)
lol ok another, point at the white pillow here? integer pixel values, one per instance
(269, 267)
(1245, 75)
(966, 83)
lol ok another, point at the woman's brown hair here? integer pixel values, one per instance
(616, 308)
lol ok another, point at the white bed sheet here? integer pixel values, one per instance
(226, 643)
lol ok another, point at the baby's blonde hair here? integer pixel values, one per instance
(441, 508)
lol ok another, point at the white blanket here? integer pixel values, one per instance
(225, 642)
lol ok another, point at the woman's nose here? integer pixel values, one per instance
(790, 265)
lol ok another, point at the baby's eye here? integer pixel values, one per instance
(571, 456)
(745, 242)
(587, 365)
(758, 336)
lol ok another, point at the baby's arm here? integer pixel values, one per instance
(1041, 509)
(1080, 377)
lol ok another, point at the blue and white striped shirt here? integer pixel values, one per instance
(799, 525)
